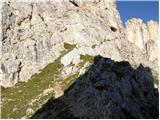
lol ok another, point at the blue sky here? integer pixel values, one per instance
(146, 10)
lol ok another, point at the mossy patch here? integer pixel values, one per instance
(87, 58)
(93, 46)
(69, 46)
(156, 81)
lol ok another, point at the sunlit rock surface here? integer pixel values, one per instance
(145, 37)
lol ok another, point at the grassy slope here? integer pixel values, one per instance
(17, 99)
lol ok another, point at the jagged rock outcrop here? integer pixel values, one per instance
(34, 35)
(108, 89)
(145, 37)
(139, 33)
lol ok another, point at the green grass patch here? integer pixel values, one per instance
(69, 46)
(93, 46)
(66, 83)
(156, 81)
(87, 58)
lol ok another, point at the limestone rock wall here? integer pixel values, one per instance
(143, 34)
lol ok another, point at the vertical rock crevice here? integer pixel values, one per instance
(19, 70)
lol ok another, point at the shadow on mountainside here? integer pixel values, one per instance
(108, 89)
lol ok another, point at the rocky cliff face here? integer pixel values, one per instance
(28, 44)
(144, 36)
(34, 35)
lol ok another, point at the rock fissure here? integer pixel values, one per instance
(19, 69)
(74, 3)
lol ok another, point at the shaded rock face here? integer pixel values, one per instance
(108, 89)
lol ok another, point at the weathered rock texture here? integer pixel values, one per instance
(34, 34)
(107, 90)
(139, 33)
(145, 37)
(29, 43)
